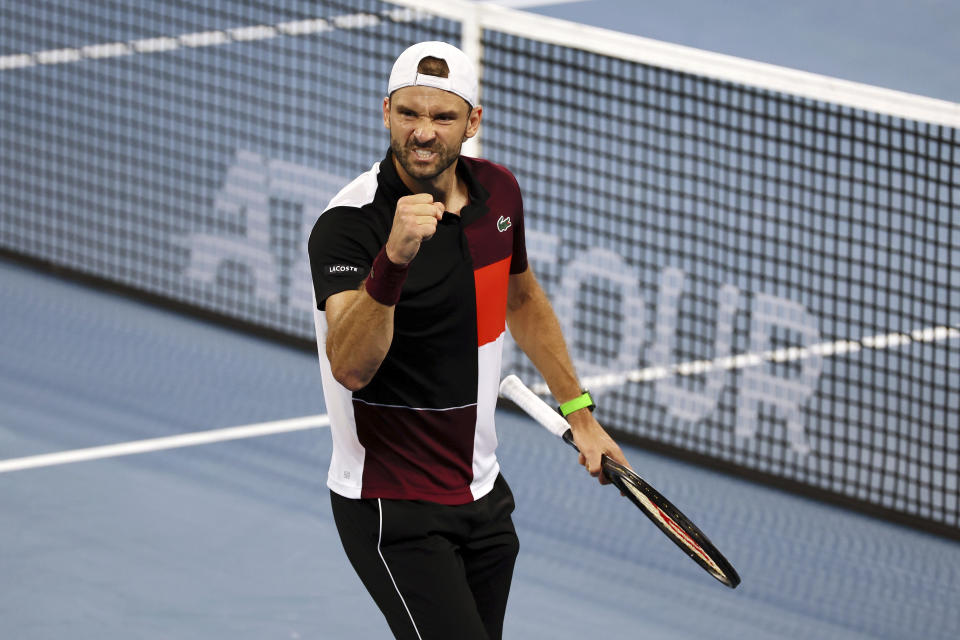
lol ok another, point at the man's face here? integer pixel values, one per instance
(427, 128)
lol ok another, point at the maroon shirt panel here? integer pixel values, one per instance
(434, 462)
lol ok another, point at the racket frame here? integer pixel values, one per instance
(667, 517)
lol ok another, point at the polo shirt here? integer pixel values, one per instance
(423, 428)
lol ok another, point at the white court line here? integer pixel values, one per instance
(743, 360)
(247, 33)
(211, 38)
(503, 16)
(931, 334)
(528, 4)
(168, 442)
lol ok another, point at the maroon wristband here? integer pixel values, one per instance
(385, 281)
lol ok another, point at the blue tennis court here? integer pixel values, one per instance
(754, 266)
(235, 539)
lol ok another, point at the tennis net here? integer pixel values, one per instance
(764, 277)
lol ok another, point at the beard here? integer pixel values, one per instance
(446, 156)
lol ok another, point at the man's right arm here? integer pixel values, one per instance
(359, 326)
(359, 333)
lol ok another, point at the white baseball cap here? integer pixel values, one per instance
(462, 79)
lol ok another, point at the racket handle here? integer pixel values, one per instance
(513, 389)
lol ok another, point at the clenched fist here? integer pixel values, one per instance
(414, 221)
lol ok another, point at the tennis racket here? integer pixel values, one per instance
(661, 511)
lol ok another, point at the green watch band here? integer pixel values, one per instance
(583, 401)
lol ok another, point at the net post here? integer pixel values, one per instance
(470, 44)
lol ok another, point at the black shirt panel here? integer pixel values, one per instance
(432, 361)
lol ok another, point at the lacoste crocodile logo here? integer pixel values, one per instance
(503, 224)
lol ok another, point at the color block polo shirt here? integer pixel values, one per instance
(423, 428)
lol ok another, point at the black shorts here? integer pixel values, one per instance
(437, 572)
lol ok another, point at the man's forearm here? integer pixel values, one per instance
(360, 331)
(536, 330)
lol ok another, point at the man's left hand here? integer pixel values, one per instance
(593, 441)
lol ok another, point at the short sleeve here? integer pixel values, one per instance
(342, 247)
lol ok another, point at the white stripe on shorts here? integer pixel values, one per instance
(389, 573)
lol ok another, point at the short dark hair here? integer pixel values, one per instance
(430, 66)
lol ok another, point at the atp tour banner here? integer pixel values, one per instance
(246, 258)
(733, 281)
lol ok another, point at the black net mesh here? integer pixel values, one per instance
(769, 281)
(764, 279)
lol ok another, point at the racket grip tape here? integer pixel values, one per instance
(513, 389)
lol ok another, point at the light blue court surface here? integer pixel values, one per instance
(907, 45)
(235, 540)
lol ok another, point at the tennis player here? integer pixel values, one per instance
(418, 266)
